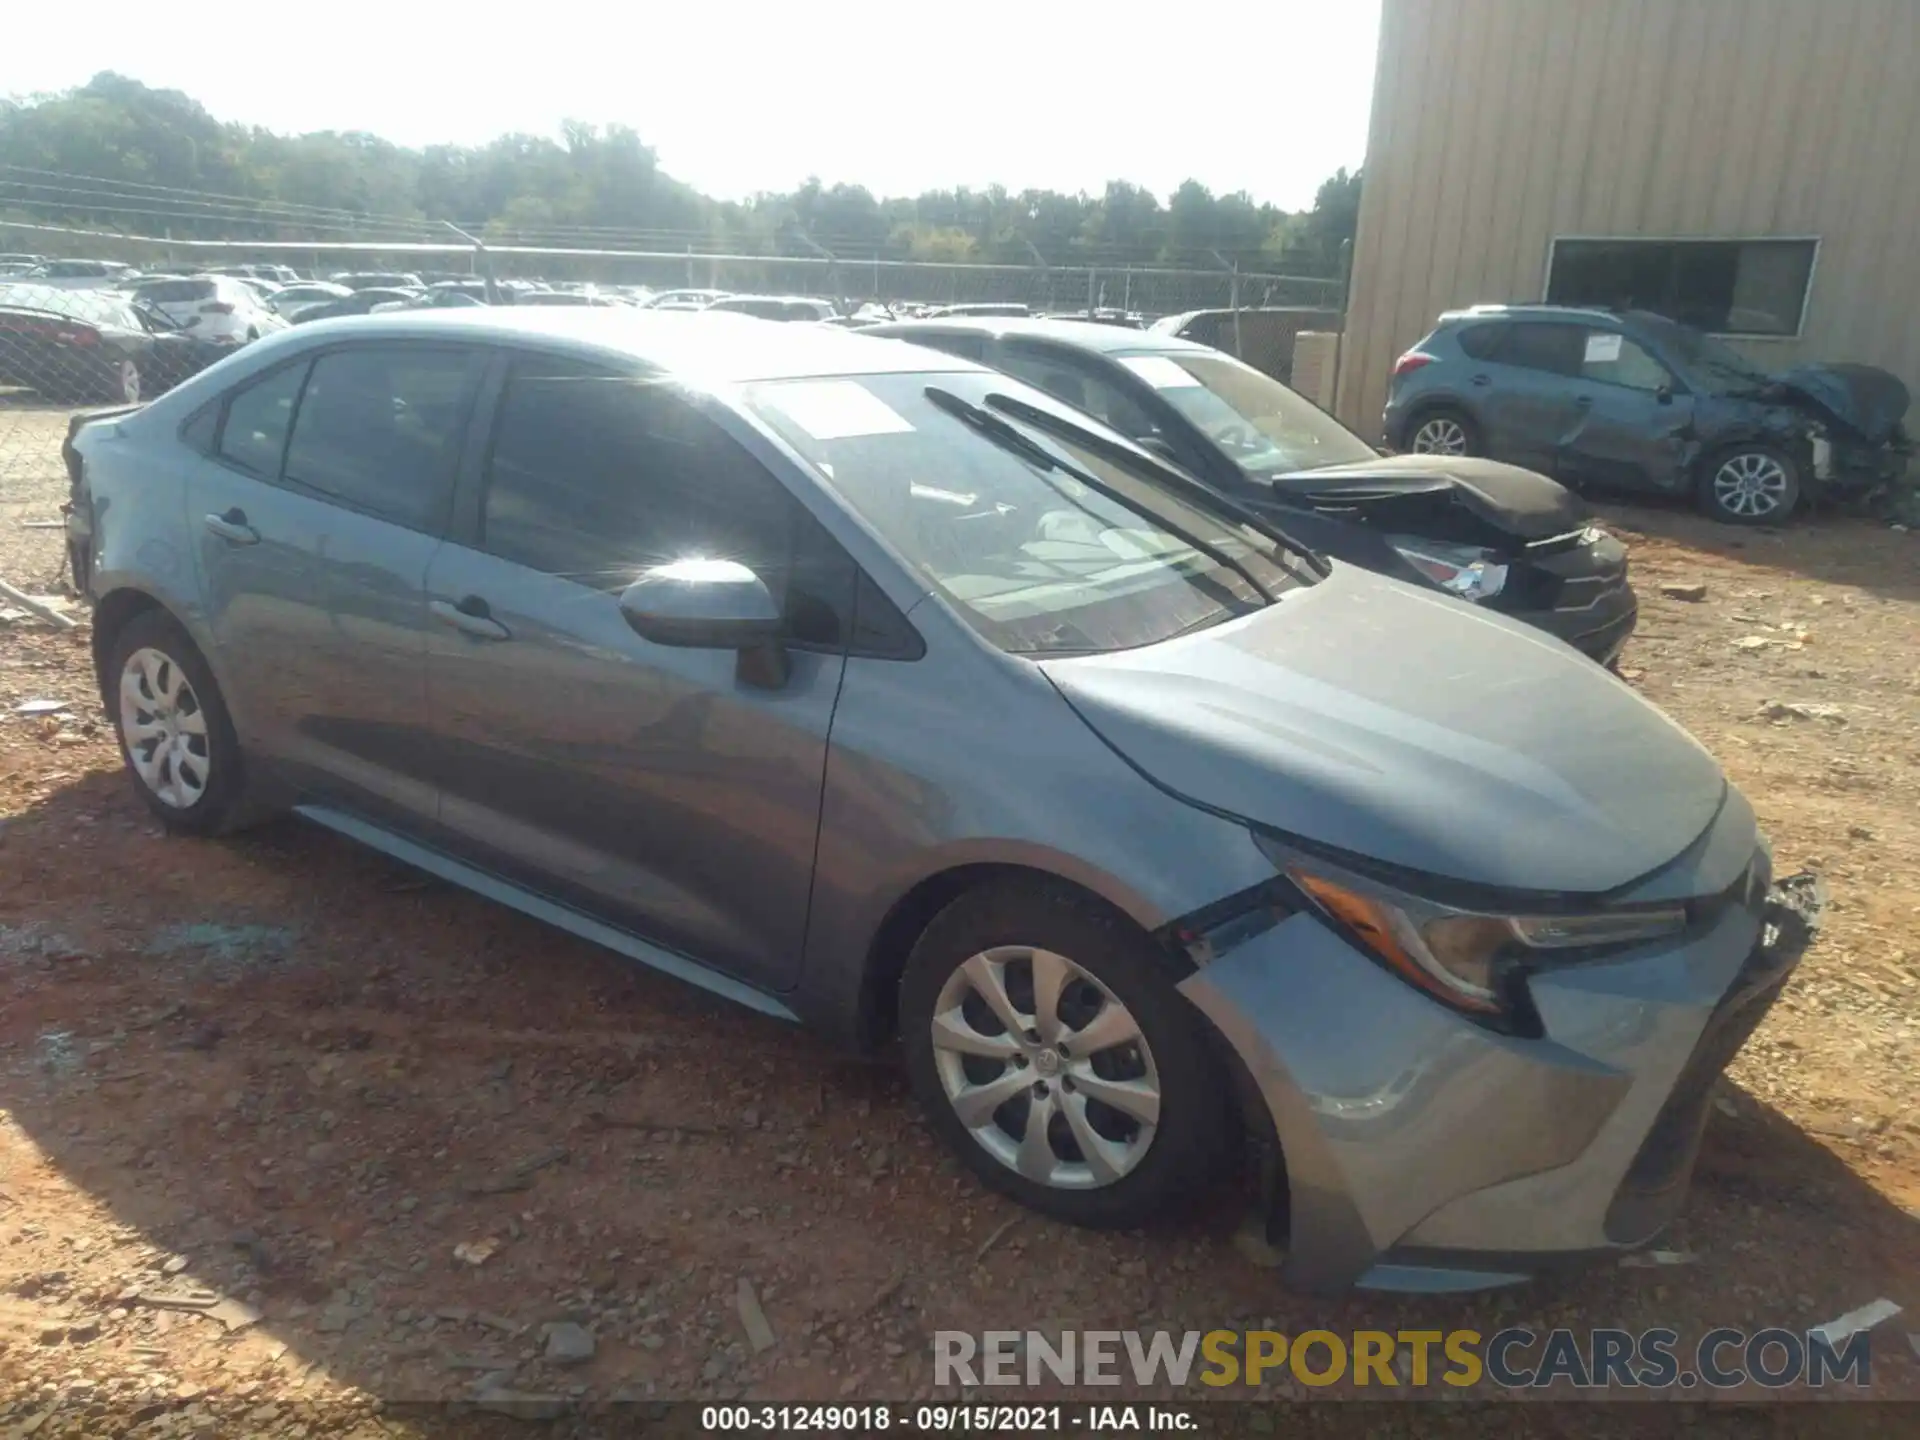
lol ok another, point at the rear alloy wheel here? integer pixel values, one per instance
(120, 385)
(1750, 485)
(1054, 1056)
(173, 727)
(165, 726)
(1442, 433)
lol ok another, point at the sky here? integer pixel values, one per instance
(1266, 96)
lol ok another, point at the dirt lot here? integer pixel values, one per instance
(286, 1071)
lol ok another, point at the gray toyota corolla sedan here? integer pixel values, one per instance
(873, 689)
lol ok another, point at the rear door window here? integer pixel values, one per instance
(379, 428)
(254, 436)
(1553, 347)
(174, 292)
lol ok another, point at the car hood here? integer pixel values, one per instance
(1863, 398)
(1411, 728)
(1519, 503)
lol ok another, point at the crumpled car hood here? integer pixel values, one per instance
(1410, 728)
(1521, 503)
(1863, 398)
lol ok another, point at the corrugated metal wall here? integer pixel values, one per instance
(1499, 124)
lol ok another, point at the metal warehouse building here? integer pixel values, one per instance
(1748, 166)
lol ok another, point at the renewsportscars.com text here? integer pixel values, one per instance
(1513, 1359)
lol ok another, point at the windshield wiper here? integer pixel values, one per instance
(1051, 424)
(1007, 437)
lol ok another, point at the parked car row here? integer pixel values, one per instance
(1507, 539)
(919, 696)
(90, 346)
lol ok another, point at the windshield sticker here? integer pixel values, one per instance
(1602, 348)
(1160, 372)
(836, 410)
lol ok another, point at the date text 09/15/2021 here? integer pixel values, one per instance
(947, 1419)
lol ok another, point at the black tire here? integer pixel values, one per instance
(1438, 415)
(1191, 1137)
(1774, 474)
(222, 804)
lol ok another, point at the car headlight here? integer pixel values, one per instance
(1464, 958)
(1464, 570)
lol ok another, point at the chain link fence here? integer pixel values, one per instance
(89, 318)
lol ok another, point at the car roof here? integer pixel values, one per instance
(1081, 334)
(1584, 313)
(719, 347)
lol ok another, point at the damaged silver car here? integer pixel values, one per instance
(875, 690)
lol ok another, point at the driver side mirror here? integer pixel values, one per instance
(1664, 394)
(711, 605)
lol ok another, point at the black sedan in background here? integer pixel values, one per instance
(1503, 537)
(79, 347)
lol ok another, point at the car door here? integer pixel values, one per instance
(651, 787)
(1519, 387)
(323, 496)
(1632, 417)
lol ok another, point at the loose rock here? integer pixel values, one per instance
(568, 1343)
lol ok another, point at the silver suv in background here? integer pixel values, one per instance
(874, 689)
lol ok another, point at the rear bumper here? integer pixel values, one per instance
(1425, 1153)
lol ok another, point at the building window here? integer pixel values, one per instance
(1726, 287)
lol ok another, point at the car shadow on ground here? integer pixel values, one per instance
(1837, 549)
(409, 1130)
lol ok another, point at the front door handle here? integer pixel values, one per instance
(1585, 402)
(469, 617)
(1481, 380)
(233, 527)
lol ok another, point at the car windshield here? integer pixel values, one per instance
(1263, 426)
(1711, 364)
(1038, 562)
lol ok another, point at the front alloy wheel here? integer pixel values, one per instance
(1046, 1068)
(1054, 1055)
(1440, 435)
(1752, 486)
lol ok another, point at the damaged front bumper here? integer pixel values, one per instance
(1849, 467)
(1574, 586)
(1422, 1152)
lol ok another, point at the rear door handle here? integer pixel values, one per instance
(469, 617)
(1481, 380)
(233, 527)
(1585, 402)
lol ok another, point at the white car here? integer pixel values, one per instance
(211, 307)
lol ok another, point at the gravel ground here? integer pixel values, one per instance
(407, 1132)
